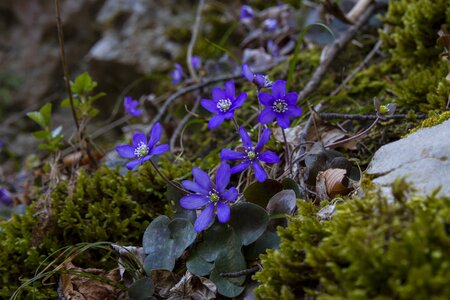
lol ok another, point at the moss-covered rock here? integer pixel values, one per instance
(370, 249)
(103, 206)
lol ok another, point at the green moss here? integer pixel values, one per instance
(369, 249)
(433, 120)
(103, 206)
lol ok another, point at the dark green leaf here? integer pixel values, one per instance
(268, 240)
(230, 261)
(283, 202)
(83, 84)
(174, 195)
(183, 234)
(248, 221)
(261, 192)
(290, 184)
(142, 289)
(198, 266)
(217, 239)
(42, 134)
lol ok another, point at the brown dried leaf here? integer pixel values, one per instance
(321, 187)
(333, 180)
(78, 287)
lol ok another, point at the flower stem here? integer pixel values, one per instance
(236, 124)
(287, 155)
(258, 90)
(167, 179)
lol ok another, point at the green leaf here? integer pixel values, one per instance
(261, 192)
(248, 221)
(198, 266)
(283, 202)
(268, 240)
(46, 112)
(174, 195)
(66, 103)
(290, 184)
(141, 289)
(38, 118)
(164, 241)
(217, 239)
(42, 134)
(83, 84)
(229, 261)
(97, 96)
(93, 112)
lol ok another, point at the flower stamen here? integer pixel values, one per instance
(141, 150)
(213, 196)
(280, 106)
(224, 105)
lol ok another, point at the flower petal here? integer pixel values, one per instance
(160, 149)
(209, 105)
(265, 136)
(291, 98)
(294, 111)
(194, 187)
(155, 135)
(260, 174)
(283, 121)
(239, 100)
(266, 116)
(227, 154)
(223, 212)
(269, 157)
(245, 138)
(240, 167)
(228, 115)
(202, 178)
(194, 201)
(266, 99)
(145, 158)
(222, 177)
(132, 164)
(205, 218)
(217, 94)
(247, 72)
(138, 138)
(216, 121)
(126, 151)
(229, 90)
(230, 194)
(279, 89)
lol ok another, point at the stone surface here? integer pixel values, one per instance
(423, 158)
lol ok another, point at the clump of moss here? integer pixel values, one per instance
(103, 206)
(369, 249)
(433, 120)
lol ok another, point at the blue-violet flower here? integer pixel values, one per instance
(223, 104)
(270, 24)
(272, 48)
(5, 197)
(141, 150)
(209, 196)
(131, 105)
(279, 105)
(252, 155)
(246, 12)
(177, 74)
(260, 80)
(196, 62)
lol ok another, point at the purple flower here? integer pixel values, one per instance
(5, 197)
(223, 104)
(260, 80)
(176, 74)
(272, 48)
(131, 105)
(209, 197)
(141, 150)
(280, 105)
(246, 12)
(196, 62)
(251, 156)
(270, 24)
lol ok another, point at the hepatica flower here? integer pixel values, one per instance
(223, 104)
(279, 105)
(140, 150)
(246, 12)
(252, 155)
(177, 74)
(260, 80)
(211, 198)
(270, 24)
(5, 197)
(196, 62)
(131, 105)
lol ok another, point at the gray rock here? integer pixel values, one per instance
(423, 158)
